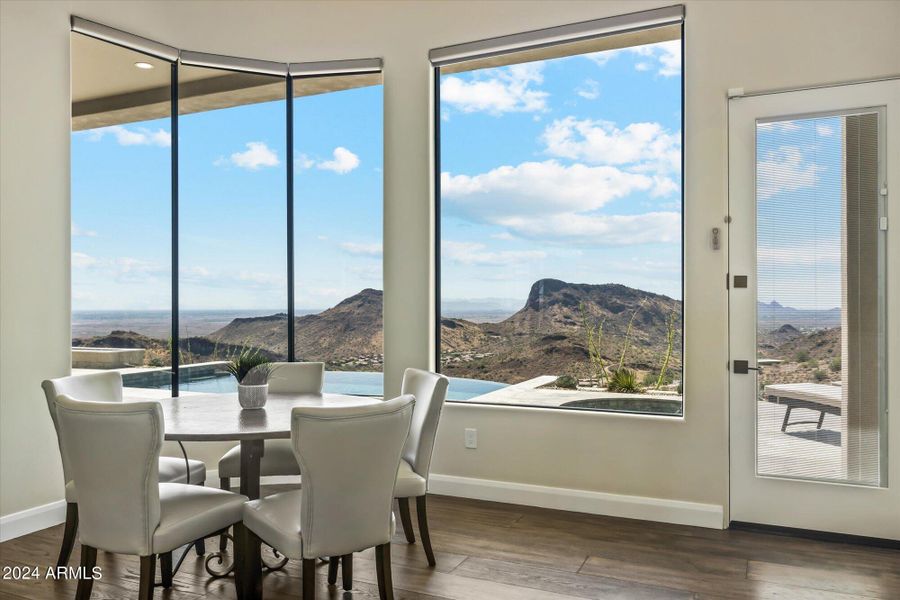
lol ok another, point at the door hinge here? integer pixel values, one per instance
(727, 281)
(882, 223)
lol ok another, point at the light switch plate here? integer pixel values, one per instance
(471, 438)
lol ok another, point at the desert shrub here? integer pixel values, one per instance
(652, 379)
(835, 364)
(812, 364)
(819, 375)
(156, 361)
(802, 356)
(566, 382)
(623, 380)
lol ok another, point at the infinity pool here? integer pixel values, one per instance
(345, 382)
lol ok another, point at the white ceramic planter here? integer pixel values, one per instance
(253, 396)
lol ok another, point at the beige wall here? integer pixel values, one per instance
(755, 45)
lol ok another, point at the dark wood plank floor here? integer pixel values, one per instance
(505, 552)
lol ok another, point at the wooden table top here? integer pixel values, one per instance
(219, 417)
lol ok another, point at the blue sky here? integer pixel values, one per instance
(799, 190)
(566, 168)
(232, 207)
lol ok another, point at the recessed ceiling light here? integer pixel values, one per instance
(143, 65)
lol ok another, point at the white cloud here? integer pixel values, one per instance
(132, 137)
(778, 126)
(784, 170)
(589, 90)
(649, 146)
(503, 235)
(261, 280)
(665, 57)
(823, 252)
(343, 162)
(257, 155)
(303, 161)
(362, 249)
(555, 203)
(80, 260)
(497, 91)
(79, 232)
(600, 230)
(128, 269)
(474, 253)
(824, 130)
(537, 189)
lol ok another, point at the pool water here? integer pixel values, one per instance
(658, 406)
(346, 382)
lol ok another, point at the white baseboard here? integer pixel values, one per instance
(32, 519)
(597, 503)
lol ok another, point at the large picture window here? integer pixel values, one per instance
(560, 252)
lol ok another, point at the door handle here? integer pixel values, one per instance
(742, 367)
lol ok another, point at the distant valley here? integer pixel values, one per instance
(546, 335)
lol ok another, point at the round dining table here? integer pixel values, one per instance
(220, 418)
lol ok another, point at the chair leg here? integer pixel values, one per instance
(332, 569)
(423, 530)
(309, 579)
(165, 569)
(406, 520)
(86, 581)
(200, 545)
(787, 417)
(68, 541)
(225, 484)
(347, 571)
(148, 576)
(383, 570)
(248, 563)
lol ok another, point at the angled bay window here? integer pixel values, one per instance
(560, 216)
(121, 147)
(201, 225)
(232, 221)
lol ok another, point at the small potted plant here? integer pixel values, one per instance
(252, 370)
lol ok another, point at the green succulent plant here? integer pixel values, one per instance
(250, 367)
(623, 380)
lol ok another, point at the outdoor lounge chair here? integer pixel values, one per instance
(814, 396)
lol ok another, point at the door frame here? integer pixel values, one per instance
(826, 506)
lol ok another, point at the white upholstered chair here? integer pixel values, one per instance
(349, 459)
(430, 391)
(112, 452)
(278, 457)
(106, 387)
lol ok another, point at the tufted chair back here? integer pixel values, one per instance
(349, 458)
(112, 449)
(96, 387)
(297, 378)
(430, 390)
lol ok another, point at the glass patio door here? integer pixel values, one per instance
(812, 351)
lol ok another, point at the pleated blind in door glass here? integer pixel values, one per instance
(820, 298)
